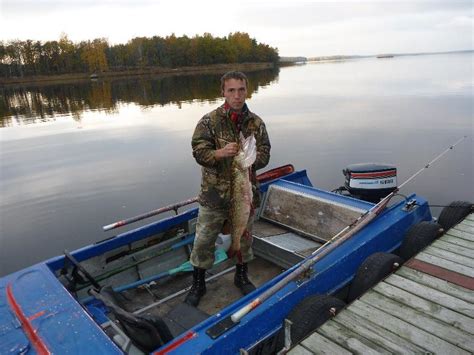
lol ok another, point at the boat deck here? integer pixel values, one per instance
(427, 306)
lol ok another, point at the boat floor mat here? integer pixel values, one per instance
(182, 317)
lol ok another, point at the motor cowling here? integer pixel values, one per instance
(370, 181)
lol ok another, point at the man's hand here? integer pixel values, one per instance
(230, 150)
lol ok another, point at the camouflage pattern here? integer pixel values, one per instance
(209, 225)
(214, 131)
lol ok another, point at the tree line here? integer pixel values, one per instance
(28, 57)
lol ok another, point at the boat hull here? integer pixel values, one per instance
(63, 325)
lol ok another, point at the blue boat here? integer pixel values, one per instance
(122, 295)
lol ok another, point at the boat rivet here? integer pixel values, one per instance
(396, 265)
(332, 310)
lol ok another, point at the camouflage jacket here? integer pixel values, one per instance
(213, 132)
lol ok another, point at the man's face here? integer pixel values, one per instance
(235, 93)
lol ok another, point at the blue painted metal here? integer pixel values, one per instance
(59, 320)
(67, 327)
(124, 239)
(330, 274)
(149, 230)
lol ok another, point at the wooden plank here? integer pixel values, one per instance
(435, 310)
(436, 283)
(445, 254)
(447, 264)
(349, 339)
(467, 222)
(469, 231)
(300, 350)
(458, 237)
(420, 319)
(433, 295)
(318, 344)
(469, 217)
(377, 334)
(441, 273)
(405, 330)
(453, 248)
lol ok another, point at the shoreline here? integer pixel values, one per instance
(155, 71)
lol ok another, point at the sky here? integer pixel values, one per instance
(295, 27)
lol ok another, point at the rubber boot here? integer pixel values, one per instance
(241, 279)
(198, 289)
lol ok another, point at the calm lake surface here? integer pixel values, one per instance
(76, 157)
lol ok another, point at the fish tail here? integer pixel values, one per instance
(239, 257)
(231, 253)
(235, 253)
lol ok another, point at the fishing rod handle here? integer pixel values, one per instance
(237, 316)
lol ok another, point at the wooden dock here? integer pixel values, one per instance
(427, 306)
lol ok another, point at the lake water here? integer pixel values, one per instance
(76, 157)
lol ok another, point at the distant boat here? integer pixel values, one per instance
(385, 56)
(94, 76)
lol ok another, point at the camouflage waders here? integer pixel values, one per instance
(214, 131)
(209, 225)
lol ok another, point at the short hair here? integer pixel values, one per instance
(237, 75)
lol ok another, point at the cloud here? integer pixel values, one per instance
(297, 28)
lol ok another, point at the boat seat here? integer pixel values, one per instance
(147, 333)
(298, 209)
(150, 332)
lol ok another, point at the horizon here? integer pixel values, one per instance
(375, 54)
(300, 28)
(283, 56)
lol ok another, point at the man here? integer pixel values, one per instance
(214, 145)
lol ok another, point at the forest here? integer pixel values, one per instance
(23, 58)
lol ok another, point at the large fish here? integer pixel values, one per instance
(241, 191)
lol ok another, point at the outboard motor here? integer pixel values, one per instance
(370, 181)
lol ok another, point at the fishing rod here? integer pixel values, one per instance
(344, 235)
(173, 207)
(186, 241)
(261, 178)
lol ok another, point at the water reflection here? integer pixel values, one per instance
(60, 184)
(40, 103)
